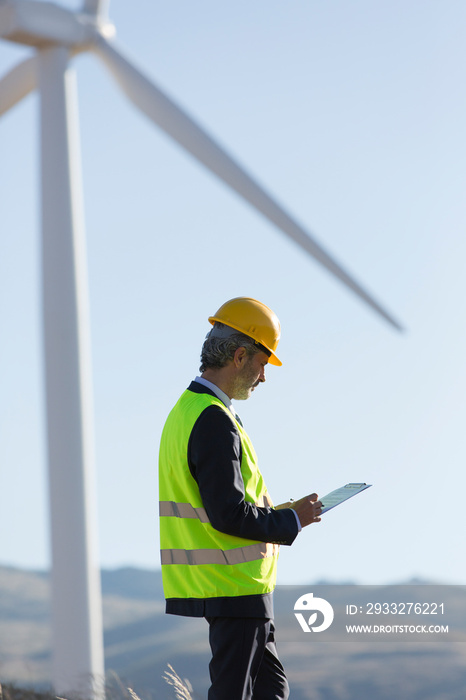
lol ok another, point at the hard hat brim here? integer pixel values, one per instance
(273, 359)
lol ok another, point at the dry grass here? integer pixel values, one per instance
(182, 688)
(11, 692)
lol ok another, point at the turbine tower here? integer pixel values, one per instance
(57, 34)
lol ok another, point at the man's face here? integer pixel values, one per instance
(251, 374)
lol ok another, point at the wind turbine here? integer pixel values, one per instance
(58, 34)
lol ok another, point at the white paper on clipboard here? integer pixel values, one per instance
(334, 498)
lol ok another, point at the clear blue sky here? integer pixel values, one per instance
(353, 115)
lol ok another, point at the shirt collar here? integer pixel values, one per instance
(218, 392)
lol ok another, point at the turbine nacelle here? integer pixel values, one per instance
(45, 24)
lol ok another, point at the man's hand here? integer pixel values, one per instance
(308, 509)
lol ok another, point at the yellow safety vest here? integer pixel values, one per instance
(197, 560)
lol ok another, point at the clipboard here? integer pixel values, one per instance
(334, 498)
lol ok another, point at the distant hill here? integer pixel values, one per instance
(140, 640)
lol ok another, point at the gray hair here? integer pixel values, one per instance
(221, 344)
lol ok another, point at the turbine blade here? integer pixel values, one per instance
(18, 83)
(184, 130)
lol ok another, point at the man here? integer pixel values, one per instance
(219, 530)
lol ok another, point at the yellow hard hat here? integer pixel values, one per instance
(254, 319)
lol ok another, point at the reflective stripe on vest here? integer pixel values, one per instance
(171, 509)
(182, 510)
(239, 555)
